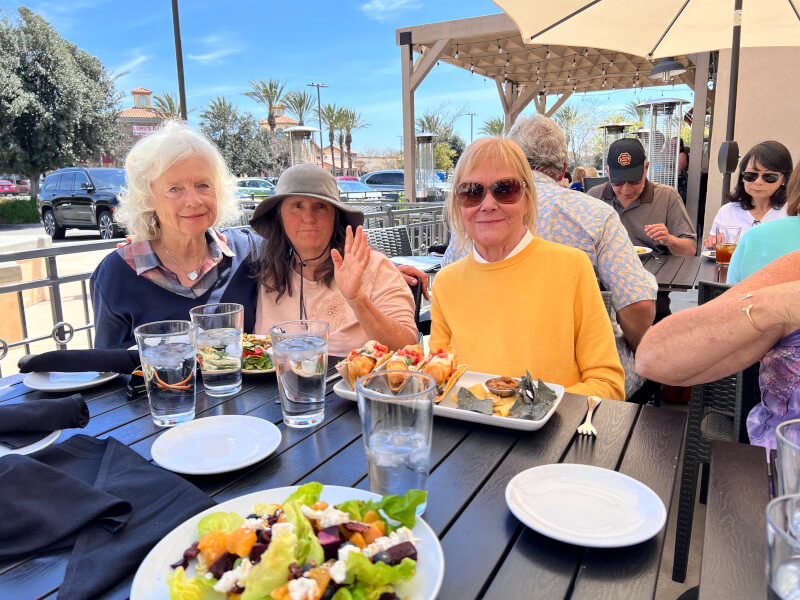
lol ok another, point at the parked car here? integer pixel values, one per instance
(81, 198)
(23, 186)
(347, 178)
(388, 179)
(7, 187)
(351, 191)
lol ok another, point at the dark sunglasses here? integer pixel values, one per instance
(504, 191)
(751, 176)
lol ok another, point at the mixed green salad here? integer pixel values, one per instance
(302, 549)
(256, 353)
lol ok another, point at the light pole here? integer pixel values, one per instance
(319, 115)
(471, 114)
(176, 26)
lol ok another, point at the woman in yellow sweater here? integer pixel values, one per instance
(519, 302)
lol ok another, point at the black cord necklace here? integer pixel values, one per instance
(303, 263)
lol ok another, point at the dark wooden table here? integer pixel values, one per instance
(488, 552)
(735, 542)
(673, 273)
(709, 271)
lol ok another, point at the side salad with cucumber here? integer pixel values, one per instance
(256, 353)
(302, 549)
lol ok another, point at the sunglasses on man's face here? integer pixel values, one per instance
(751, 176)
(504, 191)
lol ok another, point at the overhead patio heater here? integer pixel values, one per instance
(611, 133)
(663, 119)
(300, 144)
(425, 178)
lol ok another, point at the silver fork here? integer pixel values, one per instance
(587, 428)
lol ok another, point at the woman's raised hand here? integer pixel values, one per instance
(348, 271)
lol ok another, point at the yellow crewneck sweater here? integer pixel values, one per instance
(539, 310)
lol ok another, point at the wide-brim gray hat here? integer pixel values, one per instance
(310, 181)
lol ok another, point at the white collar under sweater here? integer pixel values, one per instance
(526, 239)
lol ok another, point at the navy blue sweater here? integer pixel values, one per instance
(123, 300)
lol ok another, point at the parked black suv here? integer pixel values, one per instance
(80, 198)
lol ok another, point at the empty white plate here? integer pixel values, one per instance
(215, 444)
(34, 447)
(56, 381)
(585, 505)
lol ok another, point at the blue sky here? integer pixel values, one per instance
(348, 45)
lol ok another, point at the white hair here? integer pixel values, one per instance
(543, 143)
(174, 141)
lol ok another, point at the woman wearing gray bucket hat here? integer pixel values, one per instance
(315, 263)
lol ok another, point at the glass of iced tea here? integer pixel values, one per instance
(727, 238)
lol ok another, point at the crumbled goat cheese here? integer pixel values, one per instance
(303, 589)
(255, 524)
(403, 534)
(278, 527)
(327, 518)
(338, 571)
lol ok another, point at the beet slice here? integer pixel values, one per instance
(330, 539)
(222, 564)
(401, 551)
(356, 526)
(188, 554)
(256, 551)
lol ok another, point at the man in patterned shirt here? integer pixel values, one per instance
(572, 218)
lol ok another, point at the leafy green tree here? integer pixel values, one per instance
(299, 104)
(269, 94)
(352, 121)
(443, 156)
(58, 105)
(494, 127)
(232, 132)
(167, 106)
(269, 153)
(633, 112)
(330, 114)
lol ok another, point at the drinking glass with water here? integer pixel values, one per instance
(783, 548)
(219, 346)
(300, 349)
(397, 430)
(167, 350)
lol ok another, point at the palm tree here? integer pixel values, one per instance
(269, 94)
(352, 121)
(167, 106)
(299, 103)
(434, 123)
(330, 116)
(494, 127)
(633, 111)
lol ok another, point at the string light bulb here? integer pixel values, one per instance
(574, 62)
(499, 49)
(611, 62)
(586, 52)
(574, 87)
(537, 69)
(508, 60)
(472, 68)
(604, 71)
(569, 76)
(456, 52)
(547, 54)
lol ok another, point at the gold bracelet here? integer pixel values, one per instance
(746, 310)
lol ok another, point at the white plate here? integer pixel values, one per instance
(586, 505)
(643, 250)
(34, 447)
(448, 407)
(55, 381)
(710, 254)
(150, 582)
(215, 444)
(261, 371)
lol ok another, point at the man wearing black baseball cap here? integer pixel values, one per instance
(653, 213)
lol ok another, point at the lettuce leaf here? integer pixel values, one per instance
(273, 570)
(308, 546)
(227, 522)
(397, 508)
(307, 494)
(373, 575)
(196, 588)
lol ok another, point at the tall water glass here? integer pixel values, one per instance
(397, 430)
(727, 239)
(300, 349)
(787, 435)
(783, 548)
(219, 346)
(167, 350)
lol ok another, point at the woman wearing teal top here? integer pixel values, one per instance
(762, 244)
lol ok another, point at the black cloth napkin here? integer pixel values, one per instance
(98, 497)
(31, 420)
(77, 361)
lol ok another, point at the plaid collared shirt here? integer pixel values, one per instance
(140, 257)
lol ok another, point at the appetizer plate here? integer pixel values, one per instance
(261, 371)
(710, 254)
(215, 444)
(643, 250)
(55, 381)
(448, 407)
(150, 582)
(34, 447)
(585, 505)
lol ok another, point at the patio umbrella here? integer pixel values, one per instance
(664, 28)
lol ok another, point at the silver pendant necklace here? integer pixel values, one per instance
(192, 275)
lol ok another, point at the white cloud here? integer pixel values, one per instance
(212, 57)
(383, 9)
(130, 65)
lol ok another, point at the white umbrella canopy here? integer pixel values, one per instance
(637, 26)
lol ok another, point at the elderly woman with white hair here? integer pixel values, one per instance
(179, 192)
(518, 302)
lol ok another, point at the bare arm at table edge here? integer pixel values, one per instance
(716, 339)
(635, 319)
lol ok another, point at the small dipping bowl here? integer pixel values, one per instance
(502, 386)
